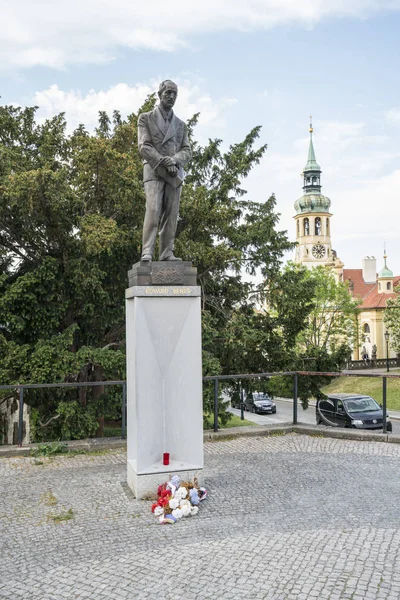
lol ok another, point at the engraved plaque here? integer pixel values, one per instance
(171, 274)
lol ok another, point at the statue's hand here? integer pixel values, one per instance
(167, 162)
(172, 171)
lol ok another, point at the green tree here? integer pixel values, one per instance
(392, 320)
(325, 344)
(71, 214)
(69, 209)
(332, 321)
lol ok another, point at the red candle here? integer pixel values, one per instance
(166, 458)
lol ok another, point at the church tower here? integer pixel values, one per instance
(313, 219)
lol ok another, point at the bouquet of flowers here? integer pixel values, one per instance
(177, 499)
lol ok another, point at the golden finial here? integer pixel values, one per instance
(311, 127)
(384, 251)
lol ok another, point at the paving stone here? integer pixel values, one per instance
(287, 517)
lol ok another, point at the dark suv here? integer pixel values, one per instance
(350, 410)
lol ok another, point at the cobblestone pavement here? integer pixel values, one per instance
(289, 517)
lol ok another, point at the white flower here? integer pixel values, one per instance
(171, 487)
(177, 513)
(161, 519)
(184, 503)
(158, 511)
(194, 510)
(182, 492)
(185, 510)
(174, 503)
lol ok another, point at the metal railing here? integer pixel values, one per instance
(295, 375)
(216, 379)
(373, 363)
(27, 386)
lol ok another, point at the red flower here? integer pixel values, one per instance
(153, 506)
(161, 488)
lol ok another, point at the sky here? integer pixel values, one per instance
(240, 64)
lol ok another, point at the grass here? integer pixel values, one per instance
(49, 449)
(64, 516)
(53, 449)
(234, 421)
(49, 499)
(370, 386)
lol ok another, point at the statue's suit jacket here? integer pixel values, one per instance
(155, 143)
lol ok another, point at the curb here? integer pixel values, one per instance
(88, 445)
(95, 444)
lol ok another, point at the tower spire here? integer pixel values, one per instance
(386, 273)
(312, 170)
(312, 164)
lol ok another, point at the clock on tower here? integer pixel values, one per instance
(318, 251)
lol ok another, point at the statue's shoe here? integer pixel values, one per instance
(146, 258)
(171, 257)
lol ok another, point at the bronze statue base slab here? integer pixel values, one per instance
(163, 273)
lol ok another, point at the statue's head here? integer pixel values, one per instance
(167, 92)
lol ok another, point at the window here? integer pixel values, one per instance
(298, 228)
(306, 225)
(366, 328)
(327, 405)
(327, 227)
(317, 225)
(388, 285)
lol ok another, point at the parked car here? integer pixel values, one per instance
(350, 410)
(259, 402)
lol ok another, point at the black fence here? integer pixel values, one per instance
(27, 386)
(374, 363)
(217, 379)
(295, 375)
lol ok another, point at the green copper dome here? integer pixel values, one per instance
(312, 202)
(386, 273)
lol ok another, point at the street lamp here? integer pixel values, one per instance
(387, 336)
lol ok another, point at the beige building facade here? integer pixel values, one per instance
(372, 290)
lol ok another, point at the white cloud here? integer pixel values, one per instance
(361, 176)
(56, 34)
(84, 109)
(367, 217)
(393, 115)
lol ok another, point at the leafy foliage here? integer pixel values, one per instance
(71, 214)
(392, 320)
(325, 342)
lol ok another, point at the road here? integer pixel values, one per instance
(284, 414)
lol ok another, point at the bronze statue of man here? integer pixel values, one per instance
(165, 149)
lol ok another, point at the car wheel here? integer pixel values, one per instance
(274, 412)
(389, 427)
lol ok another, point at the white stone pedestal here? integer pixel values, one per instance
(164, 385)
